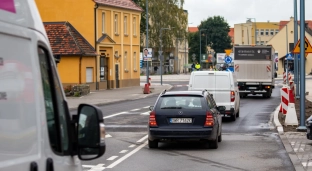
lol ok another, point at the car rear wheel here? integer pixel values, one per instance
(220, 137)
(214, 144)
(237, 114)
(152, 144)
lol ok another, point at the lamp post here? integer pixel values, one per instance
(185, 61)
(255, 29)
(200, 61)
(147, 66)
(160, 56)
(296, 77)
(286, 52)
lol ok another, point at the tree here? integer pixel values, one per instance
(217, 30)
(163, 14)
(193, 39)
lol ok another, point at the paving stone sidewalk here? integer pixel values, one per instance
(297, 145)
(103, 97)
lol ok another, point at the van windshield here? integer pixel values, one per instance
(212, 82)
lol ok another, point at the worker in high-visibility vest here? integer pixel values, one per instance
(197, 66)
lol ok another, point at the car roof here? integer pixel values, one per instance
(193, 92)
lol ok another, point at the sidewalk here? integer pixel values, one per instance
(103, 97)
(298, 147)
(171, 77)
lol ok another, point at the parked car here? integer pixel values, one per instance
(36, 129)
(185, 115)
(223, 86)
(309, 127)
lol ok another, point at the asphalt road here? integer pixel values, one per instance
(249, 143)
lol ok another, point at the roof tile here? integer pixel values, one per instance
(66, 40)
(127, 4)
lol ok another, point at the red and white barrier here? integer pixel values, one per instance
(284, 78)
(149, 81)
(291, 116)
(289, 77)
(284, 99)
(292, 87)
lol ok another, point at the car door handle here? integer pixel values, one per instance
(49, 166)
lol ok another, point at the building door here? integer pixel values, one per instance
(89, 74)
(117, 75)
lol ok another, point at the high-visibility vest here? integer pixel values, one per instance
(197, 66)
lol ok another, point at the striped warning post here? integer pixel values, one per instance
(284, 99)
(289, 77)
(292, 87)
(284, 77)
(236, 68)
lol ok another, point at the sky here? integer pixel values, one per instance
(237, 11)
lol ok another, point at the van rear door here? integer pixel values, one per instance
(217, 83)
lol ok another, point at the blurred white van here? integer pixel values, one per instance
(222, 85)
(37, 132)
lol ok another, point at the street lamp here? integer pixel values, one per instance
(255, 28)
(200, 46)
(160, 52)
(286, 50)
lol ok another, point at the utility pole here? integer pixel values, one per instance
(296, 67)
(147, 65)
(160, 52)
(200, 61)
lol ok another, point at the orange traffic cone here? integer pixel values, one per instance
(146, 89)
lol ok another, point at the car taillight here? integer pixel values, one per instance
(152, 119)
(209, 119)
(232, 96)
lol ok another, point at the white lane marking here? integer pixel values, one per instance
(131, 146)
(145, 113)
(134, 109)
(107, 136)
(142, 139)
(123, 151)
(109, 116)
(98, 167)
(112, 158)
(127, 155)
(146, 107)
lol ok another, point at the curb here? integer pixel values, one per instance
(123, 100)
(277, 123)
(290, 151)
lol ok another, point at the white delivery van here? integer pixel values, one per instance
(222, 85)
(37, 132)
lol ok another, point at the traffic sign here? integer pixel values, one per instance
(305, 55)
(289, 57)
(228, 51)
(228, 60)
(141, 63)
(307, 46)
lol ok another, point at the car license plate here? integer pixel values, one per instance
(181, 120)
(253, 88)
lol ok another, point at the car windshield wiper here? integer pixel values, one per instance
(171, 107)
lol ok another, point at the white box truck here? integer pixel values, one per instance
(254, 68)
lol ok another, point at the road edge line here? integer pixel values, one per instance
(127, 155)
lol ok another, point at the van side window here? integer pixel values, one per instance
(55, 111)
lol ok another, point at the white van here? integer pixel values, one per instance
(223, 86)
(37, 132)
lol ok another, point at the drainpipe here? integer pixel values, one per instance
(95, 48)
(80, 59)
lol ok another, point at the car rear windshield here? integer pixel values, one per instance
(180, 102)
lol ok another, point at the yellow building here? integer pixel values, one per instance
(112, 28)
(284, 41)
(244, 33)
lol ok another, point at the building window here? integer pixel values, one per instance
(257, 32)
(116, 23)
(125, 61)
(257, 42)
(134, 61)
(125, 25)
(276, 31)
(262, 42)
(89, 74)
(261, 32)
(103, 22)
(267, 32)
(271, 32)
(134, 26)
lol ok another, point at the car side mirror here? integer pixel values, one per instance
(90, 132)
(151, 108)
(221, 108)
